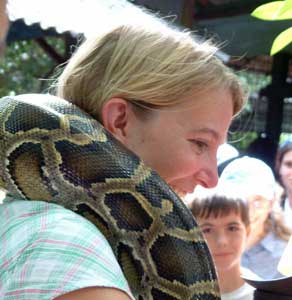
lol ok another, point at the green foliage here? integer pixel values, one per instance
(254, 81)
(241, 135)
(275, 11)
(241, 140)
(25, 67)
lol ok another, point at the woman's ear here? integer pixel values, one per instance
(115, 117)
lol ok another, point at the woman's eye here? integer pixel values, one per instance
(288, 164)
(201, 146)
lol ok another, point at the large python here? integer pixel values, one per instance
(52, 151)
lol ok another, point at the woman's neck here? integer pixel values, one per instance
(230, 280)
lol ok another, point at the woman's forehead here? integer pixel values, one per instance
(287, 155)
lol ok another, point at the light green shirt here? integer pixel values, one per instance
(47, 251)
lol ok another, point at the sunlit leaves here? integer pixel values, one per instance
(275, 11)
(25, 67)
(281, 41)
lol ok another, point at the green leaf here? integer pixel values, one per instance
(281, 41)
(277, 10)
(269, 11)
(286, 8)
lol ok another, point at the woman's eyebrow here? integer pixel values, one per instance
(206, 130)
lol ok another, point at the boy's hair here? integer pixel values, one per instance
(216, 205)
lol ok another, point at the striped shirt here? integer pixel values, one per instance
(47, 251)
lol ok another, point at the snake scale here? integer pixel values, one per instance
(53, 151)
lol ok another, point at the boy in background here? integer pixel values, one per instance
(224, 221)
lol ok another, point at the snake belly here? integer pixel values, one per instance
(52, 151)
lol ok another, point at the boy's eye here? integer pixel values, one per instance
(206, 230)
(233, 228)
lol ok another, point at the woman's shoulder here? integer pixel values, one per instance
(69, 251)
(274, 244)
(42, 216)
(38, 222)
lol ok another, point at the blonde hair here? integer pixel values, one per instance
(275, 223)
(147, 65)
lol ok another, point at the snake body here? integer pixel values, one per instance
(52, 151)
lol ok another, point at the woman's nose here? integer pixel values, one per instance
(212, 179)
(209, 174)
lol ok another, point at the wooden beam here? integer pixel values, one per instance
(50, 50)
(277, 91)
(188, 13)
(4, 24)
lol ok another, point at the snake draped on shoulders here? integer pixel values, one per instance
(50, 150)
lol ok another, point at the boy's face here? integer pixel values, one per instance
(226, 237)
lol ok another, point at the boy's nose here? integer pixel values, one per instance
(222, 240)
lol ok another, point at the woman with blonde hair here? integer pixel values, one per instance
(164, 96)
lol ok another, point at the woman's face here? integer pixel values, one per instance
(259, 209)
(181, 142)
(285, 171)
(226, 237)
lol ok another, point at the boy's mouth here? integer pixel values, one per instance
(222, 254)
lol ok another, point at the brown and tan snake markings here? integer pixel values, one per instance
(52, 151)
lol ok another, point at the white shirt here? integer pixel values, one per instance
(245, 292)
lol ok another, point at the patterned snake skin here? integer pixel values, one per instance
(52, 151)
